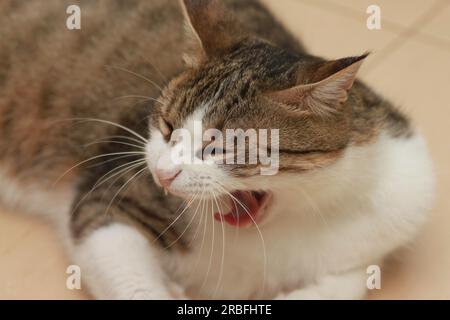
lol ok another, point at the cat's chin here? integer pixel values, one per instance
(247, 208)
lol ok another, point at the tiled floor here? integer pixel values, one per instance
(410, 65)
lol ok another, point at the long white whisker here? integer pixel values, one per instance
(236, 232)
(139, 142)
(314, 206)
(137, 75)
(161, 75)
(194, 267)
(111, 160)
(110, 123)
(201, 216)
(188, 225)
(128, 167)
(145, 98)
(97, 157)
(123, 186)
(257, 228)
(119, 177)
(222, 261)
(114, 142)
(175, 220)
(212, 249)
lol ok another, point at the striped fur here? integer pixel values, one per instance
(85, 110)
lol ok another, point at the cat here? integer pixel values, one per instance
(87, 118)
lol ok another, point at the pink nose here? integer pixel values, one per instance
(166, 177)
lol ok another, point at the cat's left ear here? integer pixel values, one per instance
(326, 89)
(210, 28)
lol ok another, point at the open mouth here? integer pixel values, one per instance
(247, 208)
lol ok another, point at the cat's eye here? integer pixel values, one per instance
(210, 150)
(213, 151)
(166, 128)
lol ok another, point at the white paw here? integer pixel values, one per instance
(177, 292)
(301, 294)
(144, 294)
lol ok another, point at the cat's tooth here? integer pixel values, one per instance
(166, 192)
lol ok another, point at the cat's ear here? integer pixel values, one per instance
(209, 26)
(326, 88)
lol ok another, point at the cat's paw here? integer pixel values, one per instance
(174, 292)
(301, 294)
(177, 292)
(145, 294)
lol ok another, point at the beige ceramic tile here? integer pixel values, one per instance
(33, 266)
(12, 230)
(440, 26)
(417, 78)
(401, 13)
(326, 33)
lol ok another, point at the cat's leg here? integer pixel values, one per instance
(118, 262)
(351, 285)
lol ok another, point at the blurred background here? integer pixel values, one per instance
(409, 65)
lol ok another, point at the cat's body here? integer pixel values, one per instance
(364, 193)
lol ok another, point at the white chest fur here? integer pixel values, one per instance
(347, 216)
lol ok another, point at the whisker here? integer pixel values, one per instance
(123, 186)
(197, 230)
(236, 232)
(161, 75)
(222, 261)
(137, 75)
(188, 225)
(313, 205)
(106, 192)
(194, 267)
(139, 142)
(128, 167)
(96, 157)
(204, 208)
(114, 142)
(257, 228)
(109, 123)
(145, 98)
(174, 221)
(212, 249)
(111, 160)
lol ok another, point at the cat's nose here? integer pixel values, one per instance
(166, 177)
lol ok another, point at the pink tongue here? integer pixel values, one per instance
(243, 212)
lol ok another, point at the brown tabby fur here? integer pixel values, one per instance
(50, 76)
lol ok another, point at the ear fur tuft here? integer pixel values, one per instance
(335, 79)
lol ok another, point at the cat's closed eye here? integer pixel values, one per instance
(210, 150)
(166, 128)
(213, 151)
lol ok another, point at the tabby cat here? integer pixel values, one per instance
(87, 118)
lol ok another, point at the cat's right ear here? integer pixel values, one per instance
(209, 27)
(326, 90)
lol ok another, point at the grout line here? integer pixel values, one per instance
(404, 36)
(352, 13)
(432, 40)
(389, 25)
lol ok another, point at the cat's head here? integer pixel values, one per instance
(293, 109)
